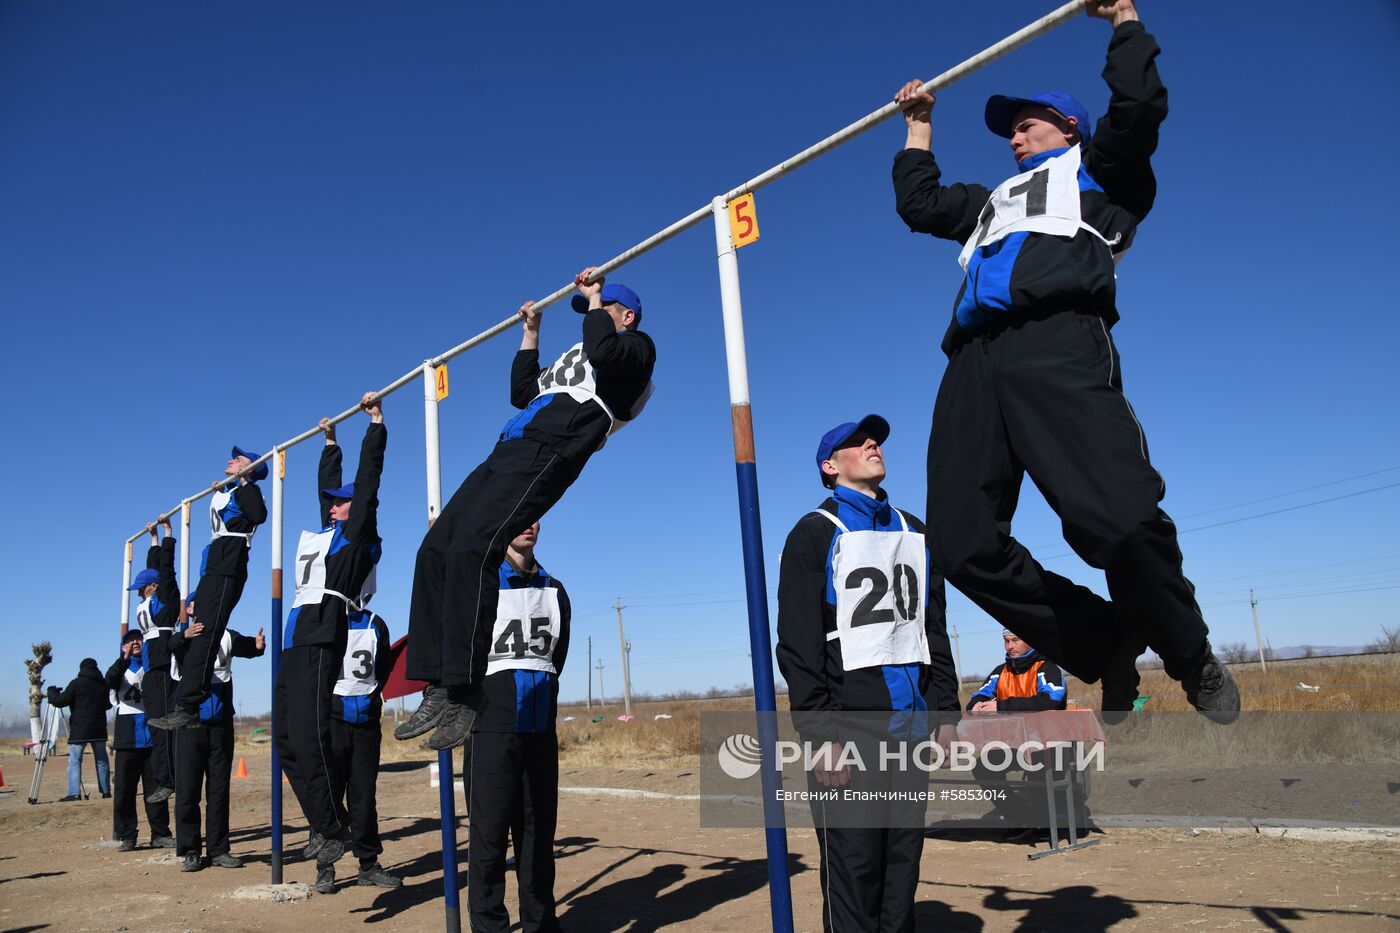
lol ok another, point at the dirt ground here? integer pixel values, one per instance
(645, 864)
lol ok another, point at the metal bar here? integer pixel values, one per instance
(278, 504)
(755, 584)
(185, 553)
(447, 805)
(126, 581)
(951, 76)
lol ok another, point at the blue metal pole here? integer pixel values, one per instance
(755, 580)
(451, 904)
(279, 471)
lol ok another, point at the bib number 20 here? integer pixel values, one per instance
(906, 593)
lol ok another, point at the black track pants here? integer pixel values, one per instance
(514, 788)
(136, 766)
(302, 710)
(158, 694)
(203, 765)
(1045, 397)
(456, 579)
(354, 773)
(214, 601)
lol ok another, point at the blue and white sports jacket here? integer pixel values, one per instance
(526, 701)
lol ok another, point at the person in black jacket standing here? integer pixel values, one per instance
(88, 699)
(235, 511)
(571, 407)
(157, 614)
(861, 629)
(513, 776)
(134, 742)
(334, 574)
(1034, 384)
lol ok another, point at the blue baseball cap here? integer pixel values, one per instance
(873, 425)
(1002, 110)
(611, 292)
(144, 578)
(132, 634)
(344, 492)
(259, 471)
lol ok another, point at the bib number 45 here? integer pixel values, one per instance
(513, 643)
(868, 610)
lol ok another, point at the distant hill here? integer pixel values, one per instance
(1319, 651)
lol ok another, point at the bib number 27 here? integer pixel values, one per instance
(868, 610)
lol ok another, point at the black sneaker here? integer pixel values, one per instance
(325, 878)
(180, 719)
(128, 845)
(160, 795)
(313, 845)
(330, 852)
(1120, 681)
(191, 862)
(458, 719)
(375, 876)
(1212, 690)
(426, 716)
(107, 796)
(162, 842)
(68, 798)
(225, 860)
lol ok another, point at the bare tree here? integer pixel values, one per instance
(1234, 652)
(43, 657)
(1388, 643)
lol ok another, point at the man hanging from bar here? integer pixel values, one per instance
(134, 742)
(235, 511)
(156, 616)
(1034, 383)
(334, 574)
(513, 781)
(570, 408)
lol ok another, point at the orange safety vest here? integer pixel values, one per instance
(1011, 684)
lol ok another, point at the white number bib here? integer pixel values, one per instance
(129, 694)
(223, 661)
(1045, 200)
(572, 374)
(217, 527)
(879, 580)
(357, 670)
(526, 631)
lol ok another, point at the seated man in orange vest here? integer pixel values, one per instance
(1026, 682)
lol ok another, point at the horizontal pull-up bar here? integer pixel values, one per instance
(951, 76)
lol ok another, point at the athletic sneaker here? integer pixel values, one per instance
(457, 722)
(225, 860)
(1212, 690)
(107, 796)
(180, 719)
(330, 852)
(162, 842)
(1120, 681)
(68, 798)
(128, 845)
(426, 716)
(191, 862)
(325, 878)
(313, 845)
(160, 795)
(375, 876)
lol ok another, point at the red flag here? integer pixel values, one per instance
(399, 685)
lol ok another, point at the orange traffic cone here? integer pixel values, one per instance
(242, 771)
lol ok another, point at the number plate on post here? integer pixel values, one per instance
(743, 220)
(441, 373)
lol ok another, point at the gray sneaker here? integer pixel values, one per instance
(180, 719)
(1212, 690)
(458, 720)
(128, 845)
(376, 876)
(191, 862)
(313, 845)
(225, 860)
(162, 842)
(330, 852)
(325, 878)
(426, 716)
(160, 795)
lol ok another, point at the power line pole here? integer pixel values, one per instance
(1258, 638)
(626, 679)
(957, 656)
(627, 656)
(602, 691)
(590, 673)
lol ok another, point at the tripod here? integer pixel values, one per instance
(45, 746)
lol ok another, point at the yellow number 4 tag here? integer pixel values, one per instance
(441, 372)
(743, 220)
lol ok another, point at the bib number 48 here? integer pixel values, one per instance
(868, 610)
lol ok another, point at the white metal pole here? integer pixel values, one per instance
(185, 580)
(626, 674)
(1258, 635)
(431, 441)
(126, 581)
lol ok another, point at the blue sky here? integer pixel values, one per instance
(220, 222)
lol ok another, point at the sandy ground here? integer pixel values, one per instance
(646, 864)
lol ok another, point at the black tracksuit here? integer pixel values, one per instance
(513, 773)
(314, 637)
(223, 573)
(134, 743)
(869, 874)
(539, 455)
(204, 756)
(1034, 385)
(157, 618)
(356, 734)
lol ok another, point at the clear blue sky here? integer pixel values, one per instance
(219, 222)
